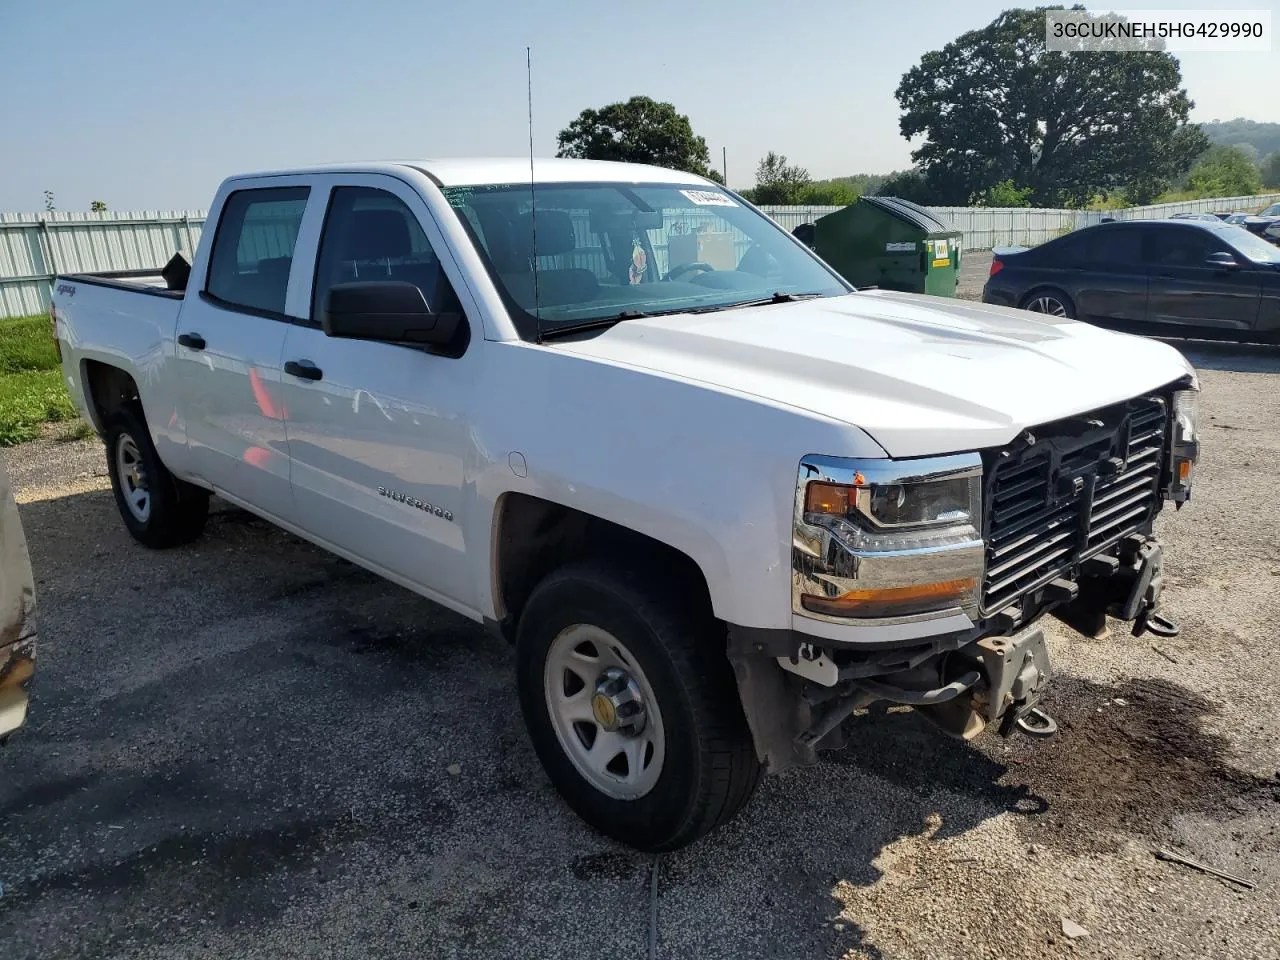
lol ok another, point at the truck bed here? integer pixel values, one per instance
(137, 281)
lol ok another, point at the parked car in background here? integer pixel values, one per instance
(17, 615)
(1211, 217)
(1253, 223)
(1271, 211)
(1174, 277)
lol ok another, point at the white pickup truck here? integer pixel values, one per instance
(719, 500)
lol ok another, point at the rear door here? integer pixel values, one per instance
(1110, 282)
(230, 337)
(1187, 291)
(379, 434)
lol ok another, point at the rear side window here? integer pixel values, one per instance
(1115, 247)
(253, 248)
(371, 235)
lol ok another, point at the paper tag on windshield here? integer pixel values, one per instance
(708, 198)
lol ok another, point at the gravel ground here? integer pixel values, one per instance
(247, 748)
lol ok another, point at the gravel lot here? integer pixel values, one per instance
(246, 748)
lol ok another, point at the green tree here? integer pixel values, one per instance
(995, 104)
(638, 131)
(827, 193)
(910, 185)
(98, 206)
(1224, 172)
(1270, 171)
(1006, 193)
(778, 181)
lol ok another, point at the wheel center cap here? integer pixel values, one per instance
(617, 703)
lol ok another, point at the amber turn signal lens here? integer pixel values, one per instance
(832, 498)
(1184, 471)
(891, 601)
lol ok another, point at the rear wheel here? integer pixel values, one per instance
(632, 707)
(1055, 303)
(158, 509)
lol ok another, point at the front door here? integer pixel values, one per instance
(230, 338)
(378, 433)
(1186, 290)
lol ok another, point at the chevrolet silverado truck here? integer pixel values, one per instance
(719, 500)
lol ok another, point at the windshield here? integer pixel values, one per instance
(1251, 245)
(1271, 211)
(606, 249)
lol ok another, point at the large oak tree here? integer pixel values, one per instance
(641, 130)
(995, 105)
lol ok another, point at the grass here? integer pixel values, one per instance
(32, 391)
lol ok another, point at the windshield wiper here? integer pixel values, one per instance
(598, 323)
(778, 297)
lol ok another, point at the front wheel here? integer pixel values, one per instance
(158, 509)
(632, 707)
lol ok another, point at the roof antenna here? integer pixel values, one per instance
(533, 198)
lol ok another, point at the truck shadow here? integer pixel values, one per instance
(261, 735)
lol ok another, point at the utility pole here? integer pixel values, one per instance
(724, 164)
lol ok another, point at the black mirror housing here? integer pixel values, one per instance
(1222, 261)
(390, 311)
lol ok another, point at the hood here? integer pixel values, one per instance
(921, 375)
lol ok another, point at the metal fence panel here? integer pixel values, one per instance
(36, 246)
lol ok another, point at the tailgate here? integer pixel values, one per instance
(17, 615)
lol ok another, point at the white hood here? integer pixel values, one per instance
(921, 375)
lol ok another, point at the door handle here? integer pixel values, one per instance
(304, 369)
(191, 340)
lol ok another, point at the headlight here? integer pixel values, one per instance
(887, 539)
(1184, 448)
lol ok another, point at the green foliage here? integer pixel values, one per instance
(910, 185)
(98, 206)
(1224, 172)
(28, 399)
(827, 193)
(779, 182)
(27, 344)
(31, 387)
(1270, 171)
(640, 130)
(994, 104)
(1264, 138)
(1006, 193)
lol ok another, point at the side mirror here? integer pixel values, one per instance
(390, 311)
(1222, 261)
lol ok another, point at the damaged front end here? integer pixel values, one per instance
(17, 616)
(922, 582)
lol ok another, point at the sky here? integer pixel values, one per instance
(149, 105)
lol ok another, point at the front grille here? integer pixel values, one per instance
(1067, 490)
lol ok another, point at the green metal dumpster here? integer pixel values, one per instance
(890, 243)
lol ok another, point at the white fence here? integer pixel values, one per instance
(35, 247)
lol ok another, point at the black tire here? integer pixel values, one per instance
(710, 768)
(176, 511)
(1030, 301)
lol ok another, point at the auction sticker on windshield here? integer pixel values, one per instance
(708, 198)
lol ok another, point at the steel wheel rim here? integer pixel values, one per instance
(1050, 305)
(133, 478)
(619, 763)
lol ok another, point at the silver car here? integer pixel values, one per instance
(17, 615)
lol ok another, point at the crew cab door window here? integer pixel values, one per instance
(370, 234)
(253, 248)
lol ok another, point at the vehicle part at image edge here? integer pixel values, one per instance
(158, 509)
(704, 769)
